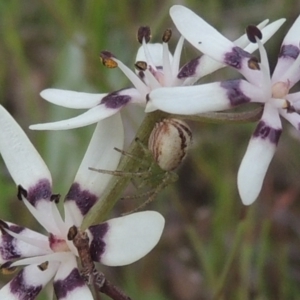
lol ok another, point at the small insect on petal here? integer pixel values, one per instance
(168, 143)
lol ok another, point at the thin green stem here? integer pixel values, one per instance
(224, 117)
(201, 256)
(224, 276)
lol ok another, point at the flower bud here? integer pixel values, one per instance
(168, 143)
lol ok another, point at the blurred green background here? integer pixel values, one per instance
(213, 247)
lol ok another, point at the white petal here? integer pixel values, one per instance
(293, 118)
(292, 37)
(288, 52)
(68, 283)
(72, 99)
(259, 154)
(204, 98)
(52, 257)
(212, 43)
(253, 169)
(91, 116)
(109, 134)
(28, 283)
(294, 98)
(100, 154)
(127, 238)
(29, 243)
(207, 65)
(42, 211)
(24, 163)
(199, 33)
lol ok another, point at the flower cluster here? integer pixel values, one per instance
(258, 86)
(159, 83)
(116, 242)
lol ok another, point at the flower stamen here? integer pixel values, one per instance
(43, 266)
(107, 60)
(144, 34)
(166, 58)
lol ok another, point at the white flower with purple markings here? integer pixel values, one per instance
(155, 67)
(52, 256)
(259, 86)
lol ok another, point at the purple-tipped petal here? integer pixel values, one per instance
(24, 163)
(289, 51)
(210, 42)
(68, 283)
(110, 105)
(12, 248)
(199, 33)
(72, 99)
(124, 240)
(197, 68)
(259, 154)
(204, 65)
(78, 202)
(204, 98)
(89, 185)
(28, 283)
(119, 99)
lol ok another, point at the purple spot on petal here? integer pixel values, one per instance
(83, 198)
(40, 191)
(97, 246)
(287, 51)
(141, 74)
(234, 92)
(21, 290)
(264, 132)
(115, 100)
(71, 282)
(8, 248)
(235, 57)
(189, 69)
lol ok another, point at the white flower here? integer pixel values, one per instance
(117, 242)
(156, 68)
(260, 86)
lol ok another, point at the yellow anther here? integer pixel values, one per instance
(109, 63)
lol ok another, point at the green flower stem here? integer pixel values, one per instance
(224, 117)
(128, 164)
